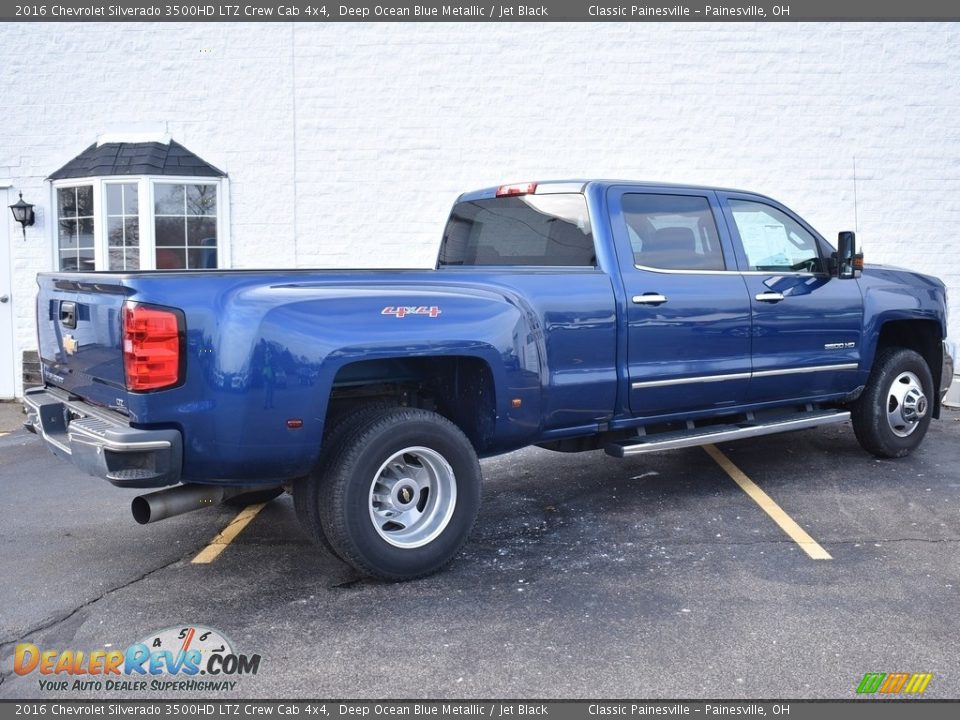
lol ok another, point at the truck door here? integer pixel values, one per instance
(688, 312)
(806, 324)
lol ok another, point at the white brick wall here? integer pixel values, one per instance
(364, 134)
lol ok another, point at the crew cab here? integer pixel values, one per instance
(578, 315)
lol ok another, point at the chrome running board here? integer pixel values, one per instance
(721, 433)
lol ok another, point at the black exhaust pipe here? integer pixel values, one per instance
(163, 504)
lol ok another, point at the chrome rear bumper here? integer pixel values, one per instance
(101, 443)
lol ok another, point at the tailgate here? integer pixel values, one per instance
(80, 336)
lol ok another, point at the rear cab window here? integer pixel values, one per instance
(550, 230)
(672, 232)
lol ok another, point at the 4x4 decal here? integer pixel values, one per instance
(402, 311)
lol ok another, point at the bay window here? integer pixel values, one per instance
(123, 226)
(75, 226)
(127, 223)
(185, 225)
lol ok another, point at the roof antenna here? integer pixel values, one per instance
(856, 221)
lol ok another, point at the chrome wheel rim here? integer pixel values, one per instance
(412, 497)
(906, 404)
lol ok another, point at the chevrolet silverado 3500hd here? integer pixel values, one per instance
(590, 315)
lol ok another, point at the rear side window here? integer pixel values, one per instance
(551, 230)
(672, 232)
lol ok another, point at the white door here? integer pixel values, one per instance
(6, 303)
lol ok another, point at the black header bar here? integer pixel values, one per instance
(320, 11)
(212, 707)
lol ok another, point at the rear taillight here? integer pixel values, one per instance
(151, 346)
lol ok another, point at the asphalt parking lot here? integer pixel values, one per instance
(586, 576)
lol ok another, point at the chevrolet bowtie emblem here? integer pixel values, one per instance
(70, 345)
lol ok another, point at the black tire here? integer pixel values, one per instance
(340, 493)
(875, 432)
(262, 495)
(304, 503)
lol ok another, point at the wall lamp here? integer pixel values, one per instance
(23, 214)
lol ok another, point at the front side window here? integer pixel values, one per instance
(772, 240)
(185, 225)
(534, 230)
(75, 238)
(672, 232)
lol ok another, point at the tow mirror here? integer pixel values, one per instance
(848, 261)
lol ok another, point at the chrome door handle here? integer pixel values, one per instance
(649, 299)
(770, 297)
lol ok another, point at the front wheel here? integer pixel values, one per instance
(398, 498)
(891, 418)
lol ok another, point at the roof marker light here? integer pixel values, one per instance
(517, 189)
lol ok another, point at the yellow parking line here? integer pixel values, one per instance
(810, 546)
(3, 433)
(227, 535)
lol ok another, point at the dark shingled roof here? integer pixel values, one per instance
(141, 158)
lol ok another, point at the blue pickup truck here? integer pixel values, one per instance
(590, 315)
